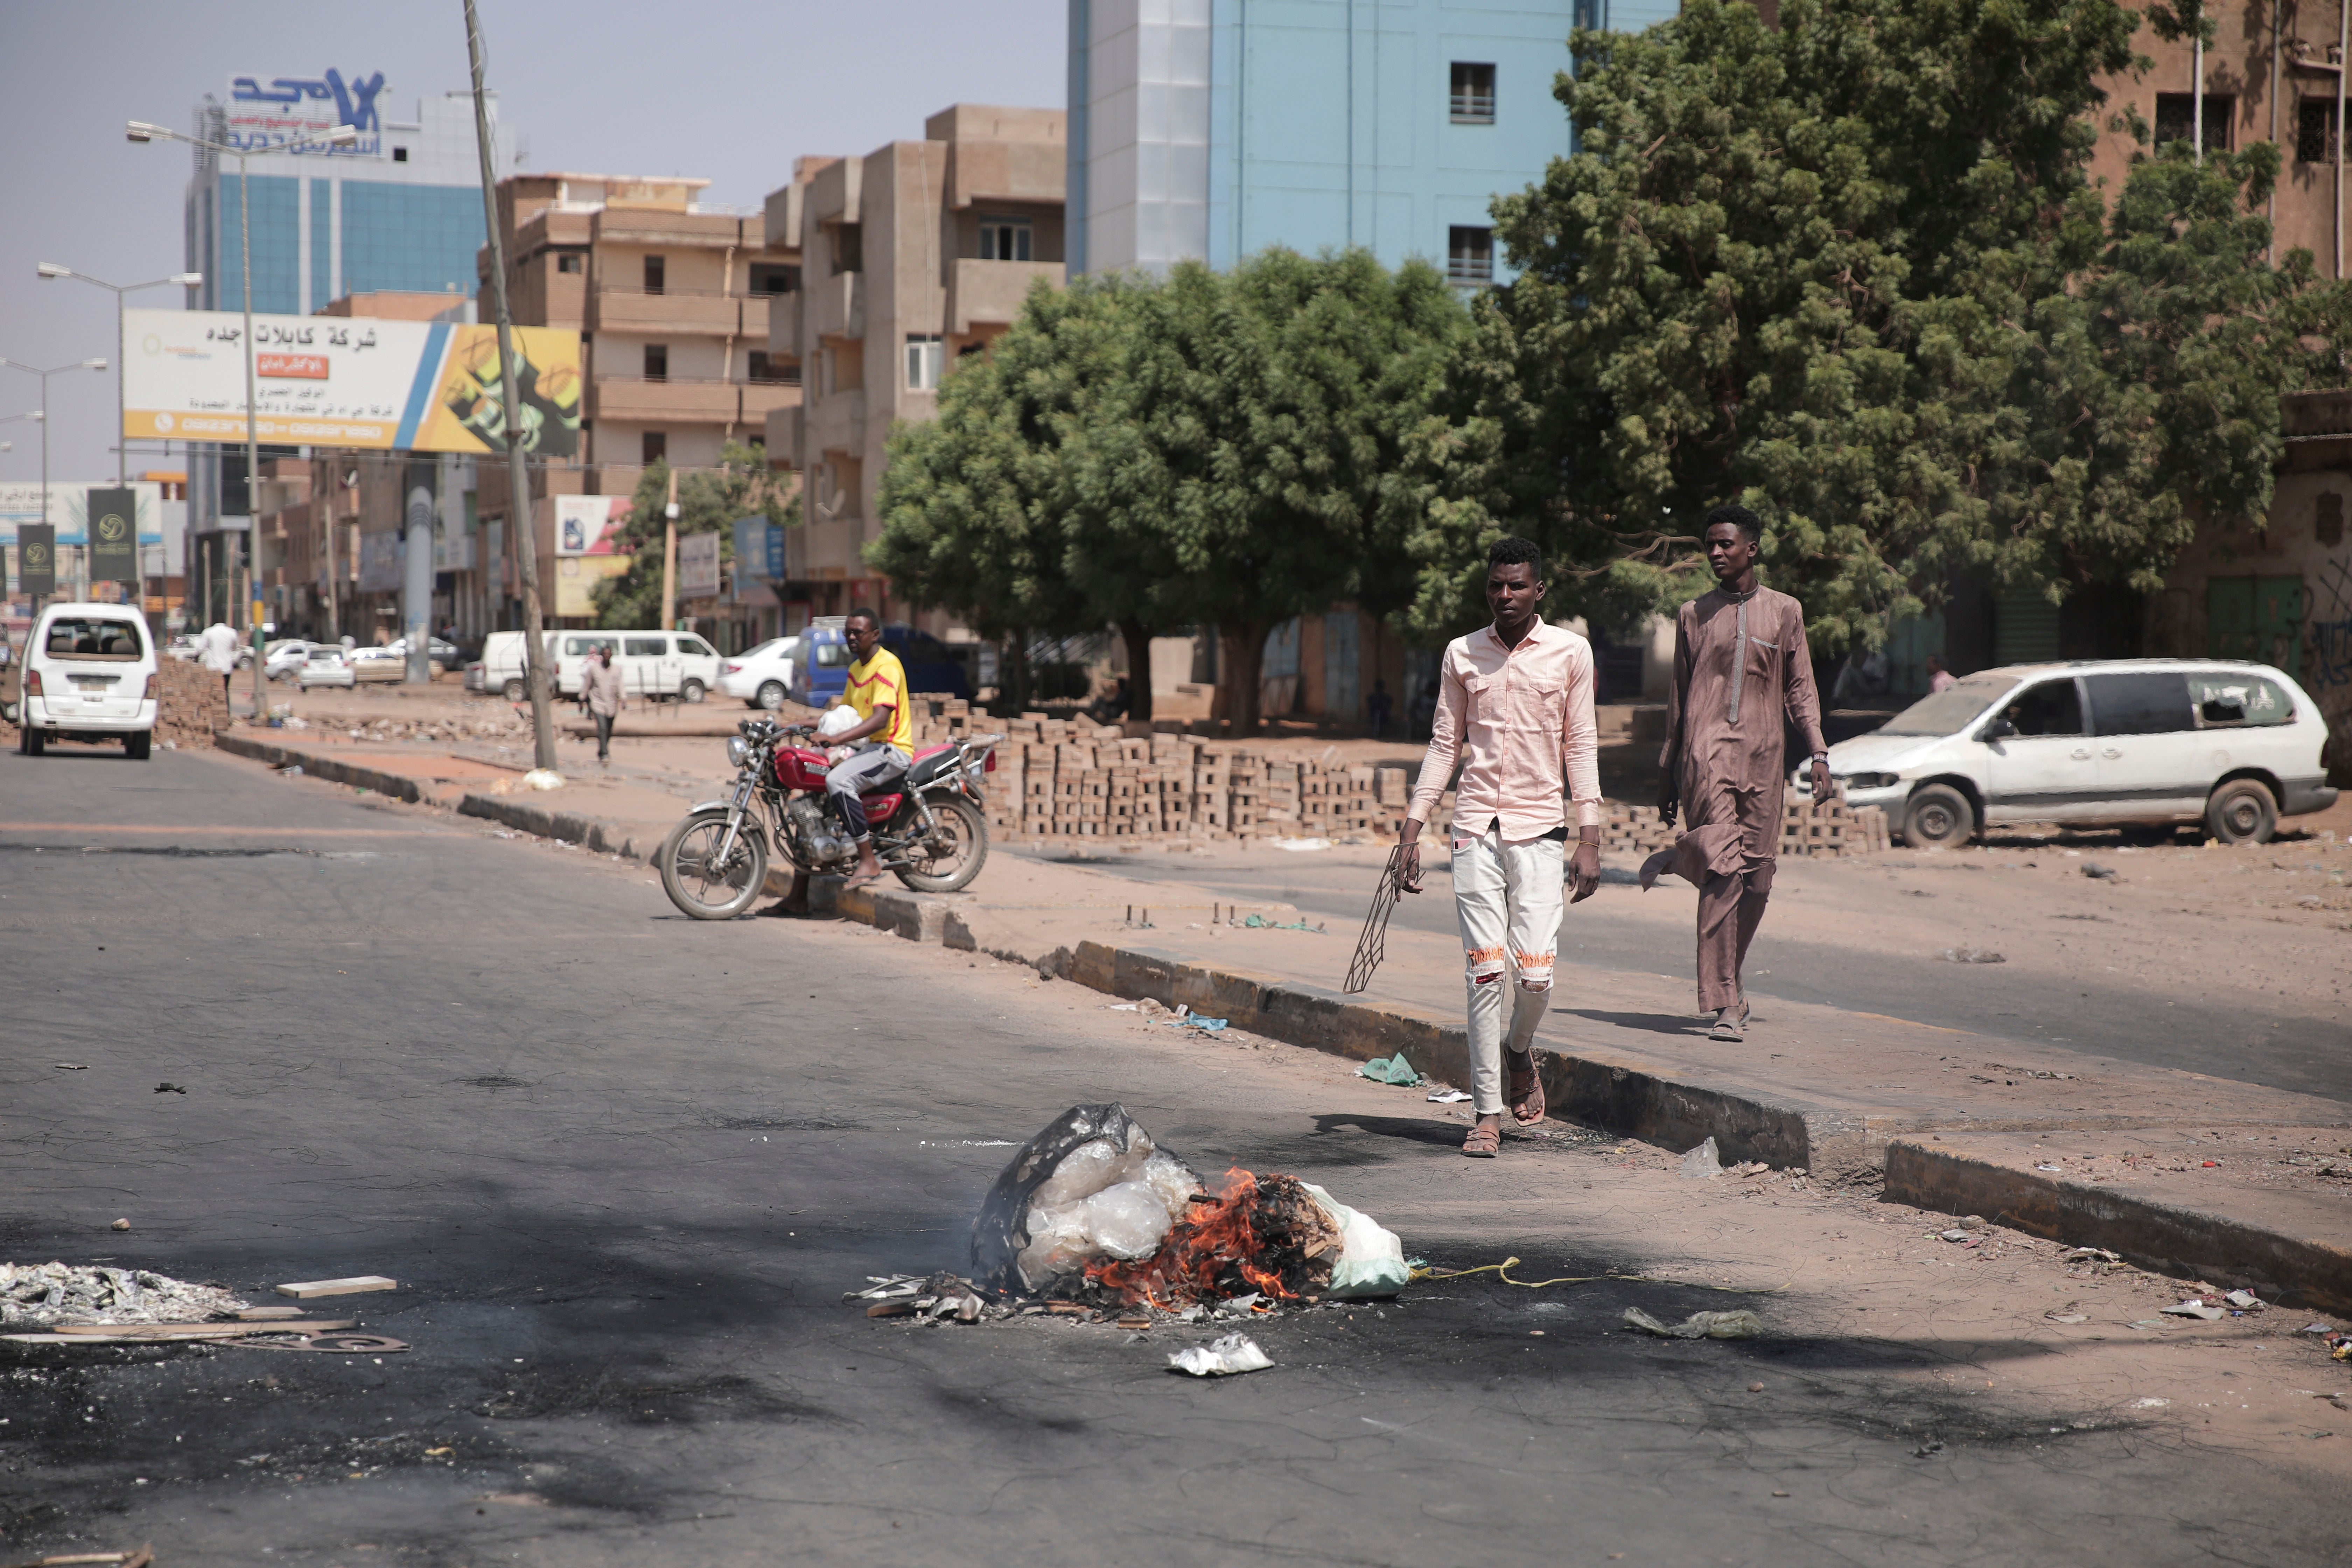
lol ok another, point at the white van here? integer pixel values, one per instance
(2110, 742)
(652, 664)
(88, 674)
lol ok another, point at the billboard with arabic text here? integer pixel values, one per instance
(344, 381)
(265, 113)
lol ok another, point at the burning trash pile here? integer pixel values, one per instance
(40, 1295)
(1093, 1212)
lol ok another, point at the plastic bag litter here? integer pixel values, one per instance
(1221, 1358)
(1039, 1220)
(1372, 1259)
(1390, 1069)
(1741, 1324)
(1702, 1162)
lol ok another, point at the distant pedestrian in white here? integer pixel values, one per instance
(217, 648)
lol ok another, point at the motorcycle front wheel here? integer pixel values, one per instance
(955, 859)
(693, 877)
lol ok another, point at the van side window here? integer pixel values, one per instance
(2049, 708)
(2228, 700)
(697, 646)
(644, 648)
(832, 654)
(2135, 702)
(579, 647)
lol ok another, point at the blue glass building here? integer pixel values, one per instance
(1212, 128)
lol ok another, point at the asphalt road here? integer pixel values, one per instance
(624, 1165)
(2275, 1048)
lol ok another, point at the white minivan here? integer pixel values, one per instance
(652, 664)
(2108, 742)
(88, 674)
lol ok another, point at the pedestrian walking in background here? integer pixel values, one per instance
(1740, 666)
(1515, 707)
(1377, 708)
(217, 649)
(1939, 678)
(599, 688)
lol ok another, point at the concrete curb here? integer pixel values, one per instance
(334, 770)
(2164, 1238)
(566, 826)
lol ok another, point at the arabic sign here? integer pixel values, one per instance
(334, 381)
(20, 503)
(113, 536)
(265, 113)
(697, 566)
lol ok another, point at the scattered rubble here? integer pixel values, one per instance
(1739, 1324)
(43, 1295)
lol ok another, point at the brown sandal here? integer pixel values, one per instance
(1484, 1142)
(1527, 1087)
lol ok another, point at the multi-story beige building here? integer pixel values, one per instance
(672, 298)
(911, 256)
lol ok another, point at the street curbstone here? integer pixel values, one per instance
(545, 822)
(334, 769)
(2164, 1238)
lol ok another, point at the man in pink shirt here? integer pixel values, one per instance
(1514, 708)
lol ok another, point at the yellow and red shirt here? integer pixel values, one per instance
(881, 682)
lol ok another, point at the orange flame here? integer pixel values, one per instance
(1216, 1236)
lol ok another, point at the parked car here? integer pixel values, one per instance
(283, 660)
(383, 665)
(2106, 742)
(500, 667)
(88, 673)
(762, 677)
(326, 665)
(824, 675)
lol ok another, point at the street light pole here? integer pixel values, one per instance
(341, 136)
(45, 374)
(179, 279)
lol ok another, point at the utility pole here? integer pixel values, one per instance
(670, 555)
(534, 651)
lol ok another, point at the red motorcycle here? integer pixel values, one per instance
(930, 829)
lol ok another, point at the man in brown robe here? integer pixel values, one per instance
(1740, 664)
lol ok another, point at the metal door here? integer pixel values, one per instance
(2256, 618)
(2047, 770)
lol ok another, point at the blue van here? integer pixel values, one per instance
(824, 673)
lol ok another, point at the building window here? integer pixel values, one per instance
(1474, 94)
(925, 354)
(2314, 131)
(848, 248)
(1469, 255)
(2175, 111)
(571, 261)
(655, 270)
(657, 362)
(652, 446)
(400, 154)
(776, 371)
(774, 278)
(1004, 239)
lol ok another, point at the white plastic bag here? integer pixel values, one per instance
(1372, 1259)
(1221, 1358)
(1128, 1221)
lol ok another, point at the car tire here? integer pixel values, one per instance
(771, 695)
(139, 746)
(693, 691)
(1937, 816)
(2242, 810)
(517, 691)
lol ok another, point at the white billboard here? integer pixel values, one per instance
(697, 566)
(265, 113)
(343, 381)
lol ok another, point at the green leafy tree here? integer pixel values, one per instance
(1254, 466)
(1852, 271)
(975, 503)
(709, 500)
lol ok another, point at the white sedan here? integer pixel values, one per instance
(326, 666)
(762, 677)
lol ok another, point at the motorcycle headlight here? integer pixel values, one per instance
(738, 748)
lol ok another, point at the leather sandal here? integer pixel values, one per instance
(1731, 1024)
(1483, 1142)
(1527, 1087)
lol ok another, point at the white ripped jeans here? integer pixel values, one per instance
(1507, 897)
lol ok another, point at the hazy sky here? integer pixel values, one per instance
(727, 89)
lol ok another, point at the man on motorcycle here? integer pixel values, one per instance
(884, 734)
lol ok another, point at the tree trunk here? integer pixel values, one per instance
(1139, 669)
(1241, 654)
